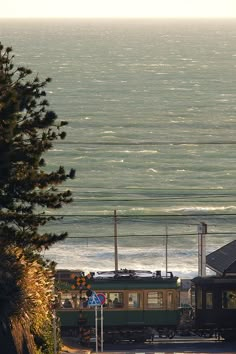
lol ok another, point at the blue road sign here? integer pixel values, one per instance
(94, 300)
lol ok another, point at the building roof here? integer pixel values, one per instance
(223, 260)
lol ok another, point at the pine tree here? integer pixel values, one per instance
(27, 130)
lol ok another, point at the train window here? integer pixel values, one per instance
(106, 300)
(170, 300)
(83, 301)
(199, 298)
(67, 301)
(209, 300)
(80, 300)
(133, 300)
(192, 295)
(155, 299)
(115, 300)
(73, 300)
(229, 299)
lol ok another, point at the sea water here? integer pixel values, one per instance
(151, 106)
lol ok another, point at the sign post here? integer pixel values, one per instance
(97, 300)
(102, 299)
(96, 327)
(101, 328)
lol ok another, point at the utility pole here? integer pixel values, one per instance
(202, 231)
(115, 241)
(166, 250)
(54, 318)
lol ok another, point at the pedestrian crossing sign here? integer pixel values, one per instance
(94, 300)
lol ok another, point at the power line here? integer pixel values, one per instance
(120, 216)
(163, 199)
(146, 143)
(149, 235)
(149, 188)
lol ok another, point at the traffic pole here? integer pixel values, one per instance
(101, 328)
(96, 328)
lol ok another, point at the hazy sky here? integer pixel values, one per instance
(118, 8)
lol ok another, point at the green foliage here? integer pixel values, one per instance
(11, 293)
(27, 130)
(45, 342)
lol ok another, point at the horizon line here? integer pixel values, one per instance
(205, 17)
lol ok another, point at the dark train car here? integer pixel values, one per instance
(215, 306)
(138, 304)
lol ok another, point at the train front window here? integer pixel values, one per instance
(115, 300)
(155, 300)
(134, 300)
(209, 300)
(229, 299)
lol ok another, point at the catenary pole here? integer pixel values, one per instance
(202, 231)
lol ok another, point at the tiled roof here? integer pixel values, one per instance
(223, 259)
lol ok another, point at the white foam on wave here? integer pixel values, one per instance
(201, 208)
(152, 170)
(135, 209)
(148, 152)
(85, 259)
(115, 161)
(135, 152)
(90, 256)
(79, 157)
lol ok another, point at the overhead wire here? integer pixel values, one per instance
(150, 235)
(140, 215)
(204, 198)
(142, 143)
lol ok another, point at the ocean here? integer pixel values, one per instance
(151, 106)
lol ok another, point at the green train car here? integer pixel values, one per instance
(137, 304)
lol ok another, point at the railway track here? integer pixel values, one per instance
(190, 344)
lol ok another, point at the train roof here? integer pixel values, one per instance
(130, 274)
(123, 278)
(214, 280)
(123, 274)
(114, 274)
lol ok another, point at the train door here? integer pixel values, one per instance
(135, 314)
